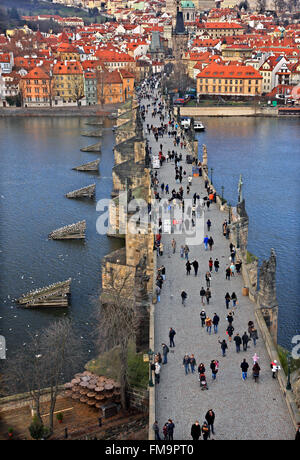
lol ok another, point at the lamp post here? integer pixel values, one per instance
(211, 175)
(150, 354)
(288, 385)
(229, 213)
(222, 188)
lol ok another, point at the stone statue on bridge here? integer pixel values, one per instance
(240, 191)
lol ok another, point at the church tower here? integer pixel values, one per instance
(179, 36)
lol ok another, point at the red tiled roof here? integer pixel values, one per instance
(229, 71)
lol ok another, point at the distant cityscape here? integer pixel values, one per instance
(226, 51)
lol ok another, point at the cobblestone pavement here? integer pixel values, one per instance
(244, 409)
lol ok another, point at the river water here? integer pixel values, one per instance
(37, 155)
(266, 151)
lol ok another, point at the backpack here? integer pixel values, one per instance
(167, 349)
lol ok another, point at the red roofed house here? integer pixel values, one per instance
(6, 62)
(35, 88)
(68, 87)
(229, 80)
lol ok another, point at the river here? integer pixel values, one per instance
(37, 154)
(266, 151)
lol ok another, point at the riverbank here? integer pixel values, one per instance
(82, 111)
(228, 111)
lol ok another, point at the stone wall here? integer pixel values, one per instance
(228, 111)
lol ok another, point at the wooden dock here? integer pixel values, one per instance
(69, 232)
(54, 295)
(92, 148)
(84, 192)
(91, 166)
(97, 133)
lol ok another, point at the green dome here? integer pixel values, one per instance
(187, 4)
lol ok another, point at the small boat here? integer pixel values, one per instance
(199, 126)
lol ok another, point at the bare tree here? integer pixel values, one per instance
(60, 348)
(280, 6)
(41, 363)
(77, 88)
(26, 371)
(119, 321)
(100, 76)
(261, 6)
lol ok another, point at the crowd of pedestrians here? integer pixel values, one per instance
(164, 124)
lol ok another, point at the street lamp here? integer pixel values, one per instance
(229, 213)
(222, 188)
(288, 385)
(211, 175)
(150, 354)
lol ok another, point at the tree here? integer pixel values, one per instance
(41, 363)
(280, 6)
(77, 88)
(118, 321)
(101, 77)
(261, 6)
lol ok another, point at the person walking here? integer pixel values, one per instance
(214, 365)
(228, 273)
(165, 431)
(203, 317)
(157, 373)
(181, 252)
(165, 351)
(201, 368)
(210, 418)
(183, 297)
(156, 431)
(244, 366)
(229, 331)
(186, 251)
(202, 294)
(157, 290)
(196, 431)
(186, 363)
(205, 241)
(173, 245)
(215, 322)
(223, 347)
(208, 324)
(227, 299)
(207, 295)
(192, 363)
(205, 431)
(245, 340)
(274, 367)
(211, 243)
(196, 266)
(234, 298)
(210, 264)
(188, 268)
(216, 265)
(208, 223)
(170, 430)
(207, 279)
(230, 317)
(255, 371)
(253, 336)
(238, 341)
(172, 334)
